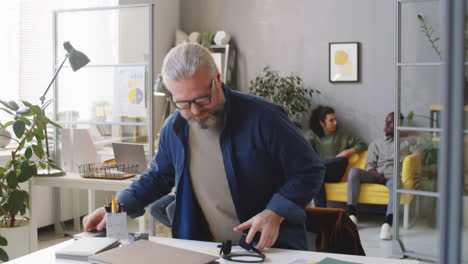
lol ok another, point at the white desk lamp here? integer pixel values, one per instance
(77, 60)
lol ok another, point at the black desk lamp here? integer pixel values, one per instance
(77, 60)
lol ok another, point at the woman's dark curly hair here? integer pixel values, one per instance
(319, 114)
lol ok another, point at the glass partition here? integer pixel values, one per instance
(420, 237)
(109, 99)
(417, 19)
(420, 98)
(418, 160)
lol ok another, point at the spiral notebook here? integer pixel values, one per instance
(147, 252)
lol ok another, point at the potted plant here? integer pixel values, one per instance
(28, 124)
(288, 91)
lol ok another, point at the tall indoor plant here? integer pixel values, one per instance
(28, 123)
(288, 91)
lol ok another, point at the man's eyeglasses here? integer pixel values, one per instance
(252, 255)
(201, 101)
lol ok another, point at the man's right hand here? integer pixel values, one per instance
(95, 221)
(380, 178)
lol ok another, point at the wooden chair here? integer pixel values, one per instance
(336, 233)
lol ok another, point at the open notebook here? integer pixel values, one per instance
(84, 247)
(147, 252)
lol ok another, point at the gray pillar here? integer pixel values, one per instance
(451, 152)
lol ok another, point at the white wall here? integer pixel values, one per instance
(293, 36)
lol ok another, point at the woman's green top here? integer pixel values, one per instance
(331, 144)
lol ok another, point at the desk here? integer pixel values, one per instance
(73, 181)
(273, 255)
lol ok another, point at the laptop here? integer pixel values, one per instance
(129, 153)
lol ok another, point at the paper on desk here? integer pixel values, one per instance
(302, 261)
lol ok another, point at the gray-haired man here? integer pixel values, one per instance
(236, 160)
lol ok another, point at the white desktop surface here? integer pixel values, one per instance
(73, 181)
(47, 255)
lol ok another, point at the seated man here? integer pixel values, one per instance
(333, 147)
(379, 169)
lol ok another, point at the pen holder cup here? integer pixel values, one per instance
(116, 225)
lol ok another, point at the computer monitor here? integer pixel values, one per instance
(130, 154)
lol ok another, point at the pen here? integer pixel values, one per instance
(113, 205)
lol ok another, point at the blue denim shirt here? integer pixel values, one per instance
(268, 163)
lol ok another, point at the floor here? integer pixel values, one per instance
(369, 228)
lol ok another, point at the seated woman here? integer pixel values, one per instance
(332, 146)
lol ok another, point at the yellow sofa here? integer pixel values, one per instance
(372, 193)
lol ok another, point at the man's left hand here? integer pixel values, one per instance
(268, 223)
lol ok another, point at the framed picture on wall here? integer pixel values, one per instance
(343, 62)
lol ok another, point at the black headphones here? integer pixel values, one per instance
(255, 255)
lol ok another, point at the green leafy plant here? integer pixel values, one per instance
(3, 254)
(429, 33)
(287, 91)
(411, 117)
(28, 124)
(206, 38)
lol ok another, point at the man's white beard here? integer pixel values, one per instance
(215, 116)
(206, 123)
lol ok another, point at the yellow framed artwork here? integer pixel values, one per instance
(343, 62)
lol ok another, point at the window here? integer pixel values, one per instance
(36, 43)
(26, 46)
(9, 52)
